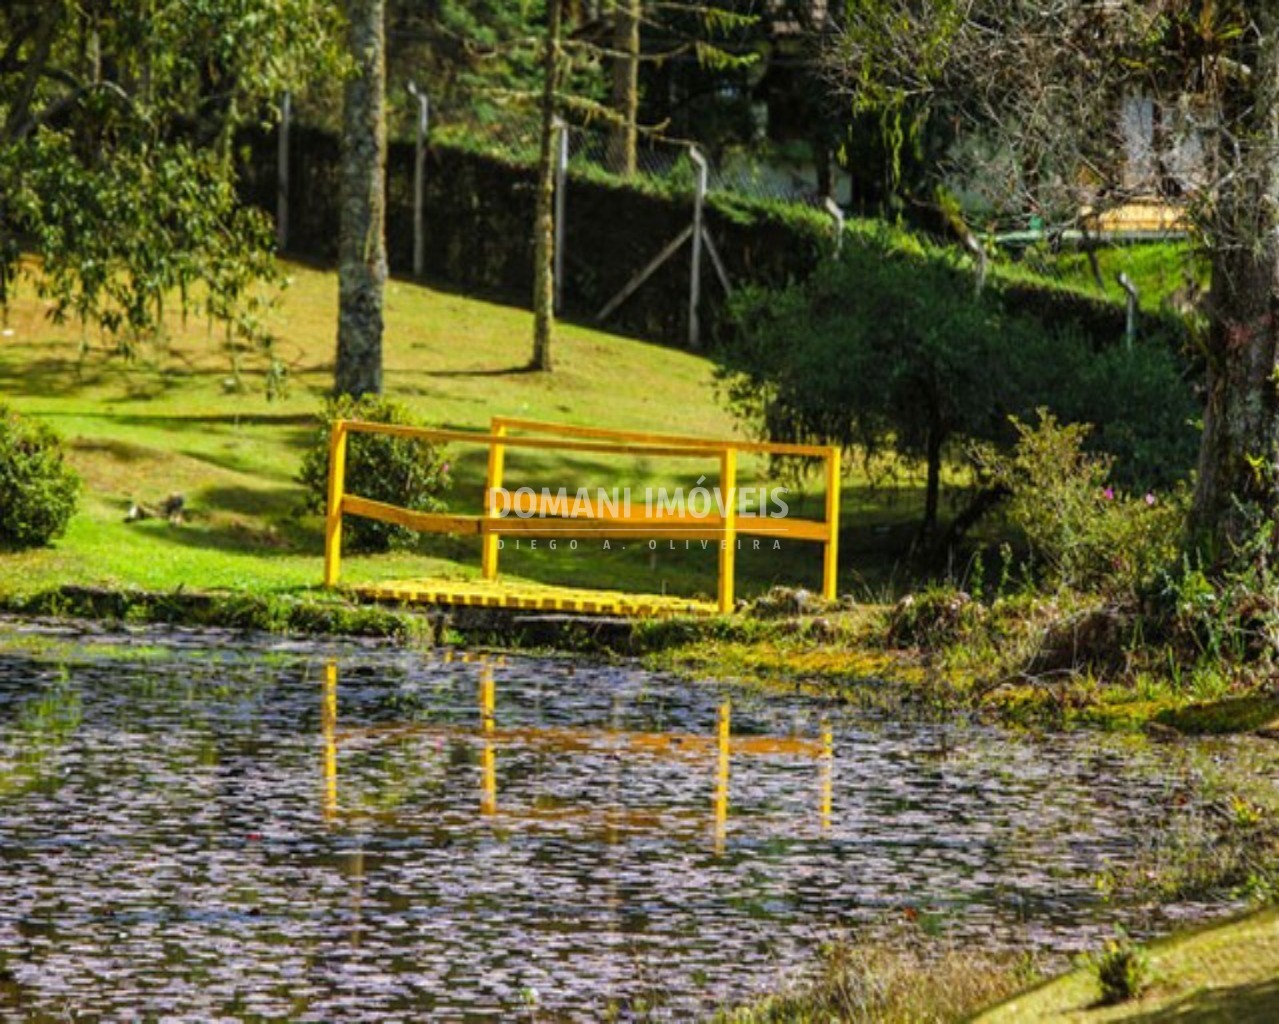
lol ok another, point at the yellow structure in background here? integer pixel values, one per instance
(723, 733)
(558, 740)
(1145, 216)
(540, 518)
(534, 597)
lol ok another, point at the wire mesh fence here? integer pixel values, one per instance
(660, 162)
(640, 248)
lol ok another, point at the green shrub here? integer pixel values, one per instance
(1084, 531)
(38, 490)
(399, 471)
(1123, 970)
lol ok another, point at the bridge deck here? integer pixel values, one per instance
(533, 597)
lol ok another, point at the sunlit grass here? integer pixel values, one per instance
(175, 419)
(1159, 270)
(1228, 973)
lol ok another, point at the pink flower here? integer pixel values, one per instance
(1108, 494)
(1150, 498)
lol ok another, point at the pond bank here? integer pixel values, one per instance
(772, 647)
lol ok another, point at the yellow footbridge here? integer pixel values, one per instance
(525, 514)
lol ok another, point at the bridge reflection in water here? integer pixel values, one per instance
(722, 746)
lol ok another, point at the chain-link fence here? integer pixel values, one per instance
(645, 249)
(660, 162)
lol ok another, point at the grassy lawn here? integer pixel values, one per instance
(1228, 972)
(173, 420)
(1159, 270)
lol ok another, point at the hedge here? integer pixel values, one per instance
(479, 217)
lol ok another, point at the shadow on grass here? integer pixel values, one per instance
(53, 377)
(120, 451)
(250, 501)
(1234, 714)
(1253, 1003)
(266, 540)
(198, 422)
(235, 537)
(510, 371)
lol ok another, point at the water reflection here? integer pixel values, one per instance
(488, 717)
(329, 724)
(362, 833)
(621, 745)
(721, 775)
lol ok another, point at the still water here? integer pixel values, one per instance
(198, 825)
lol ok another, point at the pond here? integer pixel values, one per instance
(195, 825)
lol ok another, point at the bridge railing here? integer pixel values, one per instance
(536, 517)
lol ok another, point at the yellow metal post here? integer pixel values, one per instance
(827, 777)
(728, 546)
(328, 719)
(328, 723)
(721, 775)
(488, 756)
(830, 563)
(497, 463)
(333, 518)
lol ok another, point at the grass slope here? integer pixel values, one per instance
(172, 420)
(1228, 972)
(1162, 272)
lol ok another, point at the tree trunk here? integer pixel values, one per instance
(932, 493)
(1236, 485)
(623, 136)
(362, 238)
(544, 228)
(1237, 488)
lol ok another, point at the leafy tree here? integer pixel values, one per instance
(117, 127)
(889, 347)
(1035, 88)
(472, 57)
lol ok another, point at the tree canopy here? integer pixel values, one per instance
(890, 347)
(1035, 90)
(118, 121)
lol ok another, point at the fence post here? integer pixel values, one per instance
(837, 215)
(561, 190)
(419, 180)
(497, 463)
(1130, 323)
(282, 174)
(830, 560)
(973, 244)
(728, 546)
(333, 517)
(695, 275)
